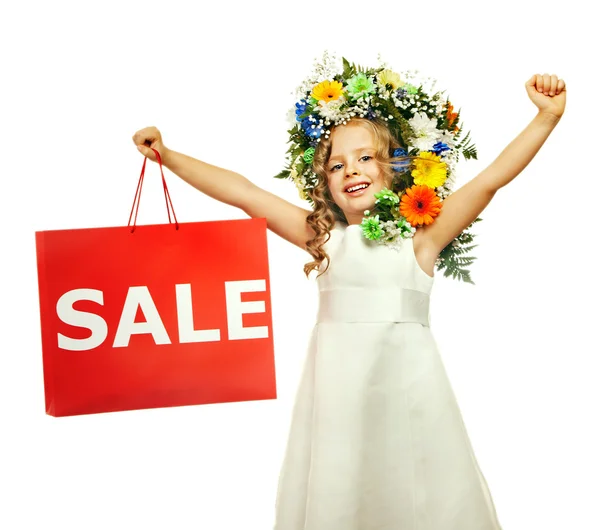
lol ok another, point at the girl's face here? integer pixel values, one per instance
(352, 163)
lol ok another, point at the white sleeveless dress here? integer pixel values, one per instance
(377, 441)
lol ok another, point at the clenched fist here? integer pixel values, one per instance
(548, 93)
(147, 138)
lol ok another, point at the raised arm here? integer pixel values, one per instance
(463, 206)
(284, 218)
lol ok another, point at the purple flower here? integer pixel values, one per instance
(370, 114)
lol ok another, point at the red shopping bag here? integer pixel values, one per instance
(155, 315)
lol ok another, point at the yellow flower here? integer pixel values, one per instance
(303, 195)
(300, 183)
(387, 77)
(428, 170)
(328, 91)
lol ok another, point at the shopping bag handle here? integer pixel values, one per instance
(138, 194)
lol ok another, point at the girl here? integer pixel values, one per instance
(377, 440)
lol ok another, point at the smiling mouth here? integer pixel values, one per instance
(357, 189)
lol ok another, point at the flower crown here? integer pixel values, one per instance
(423, 122)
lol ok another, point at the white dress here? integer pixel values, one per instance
(377, 441)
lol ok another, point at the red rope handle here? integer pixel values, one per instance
(138, 194)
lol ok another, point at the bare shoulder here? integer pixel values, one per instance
(283, 218)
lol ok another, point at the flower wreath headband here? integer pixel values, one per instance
(422, 121)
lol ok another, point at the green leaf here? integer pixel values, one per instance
(284, 174)
(296, 152)
(467, 147)
(349, 70)
(453, 260)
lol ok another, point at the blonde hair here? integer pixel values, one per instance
(326, 212)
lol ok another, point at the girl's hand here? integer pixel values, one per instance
(148, 138)
(548, 93)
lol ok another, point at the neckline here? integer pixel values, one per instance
(347, 226)
(412, 243)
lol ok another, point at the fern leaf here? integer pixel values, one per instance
(283, 175)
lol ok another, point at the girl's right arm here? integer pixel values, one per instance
(284, 218)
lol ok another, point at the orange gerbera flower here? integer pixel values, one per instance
(420, 205)
(451, 116)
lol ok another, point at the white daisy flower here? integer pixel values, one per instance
(331, 109)
(448, 139)
(425, 130)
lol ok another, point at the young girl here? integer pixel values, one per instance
(377, 440)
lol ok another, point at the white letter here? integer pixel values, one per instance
(236, 308)
(140, 296)
(185, 318)
(95, 323)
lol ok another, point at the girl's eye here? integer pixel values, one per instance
(337, 166)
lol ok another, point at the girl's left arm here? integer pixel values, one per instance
(463, 206)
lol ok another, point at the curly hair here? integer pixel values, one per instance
(326, 212)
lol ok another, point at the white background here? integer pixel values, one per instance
(79, 78)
